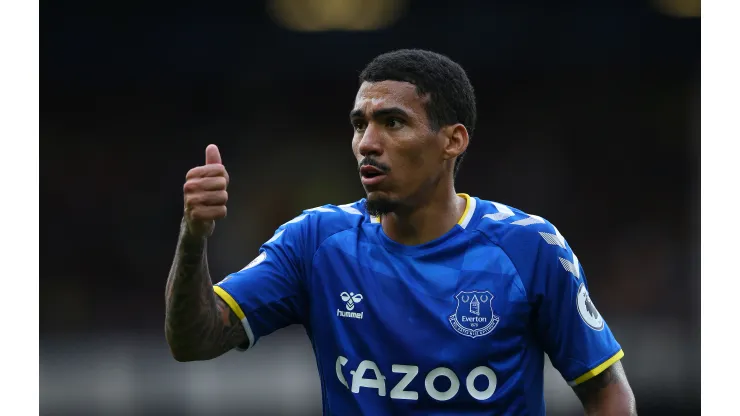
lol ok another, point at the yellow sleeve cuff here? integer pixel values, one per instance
(598, 369)
(239, 313)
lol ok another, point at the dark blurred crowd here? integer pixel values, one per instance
(611, 160)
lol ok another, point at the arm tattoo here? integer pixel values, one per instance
(198, 325)
(593, 387)
(609, 389)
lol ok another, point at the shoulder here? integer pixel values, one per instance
(320, 222)
(522, 236)
(533, 244)
(508, 225)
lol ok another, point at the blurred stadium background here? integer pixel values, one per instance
(588, 116)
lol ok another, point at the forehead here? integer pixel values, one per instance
(384, 94)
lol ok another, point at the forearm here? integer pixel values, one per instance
(620, 403)
(608, 394)
(192, 319)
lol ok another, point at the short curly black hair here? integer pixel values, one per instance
(451, 95)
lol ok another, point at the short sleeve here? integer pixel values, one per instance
(573, 333)
(268, 294)
(577, 339)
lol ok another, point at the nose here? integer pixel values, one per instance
(371, 143)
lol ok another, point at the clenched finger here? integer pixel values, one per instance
(209, 198)
(206, 213)
(216, 183)
(207, 171)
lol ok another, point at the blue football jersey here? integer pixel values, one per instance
(458, 325)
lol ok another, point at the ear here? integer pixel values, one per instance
(456, 140)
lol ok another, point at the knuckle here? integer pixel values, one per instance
(189, 186)
(194, 200)
(201, 214)
(220, 171)
(192, 173)
(214, 170)
(217, 183)
(197, 215)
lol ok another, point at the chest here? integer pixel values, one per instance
(465, 302)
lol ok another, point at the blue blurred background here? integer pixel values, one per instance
(589, 116)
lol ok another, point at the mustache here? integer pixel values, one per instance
(368, 161)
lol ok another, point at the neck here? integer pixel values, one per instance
(426, 221)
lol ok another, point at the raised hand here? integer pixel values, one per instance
(205, 194)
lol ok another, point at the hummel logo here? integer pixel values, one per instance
(351, 299)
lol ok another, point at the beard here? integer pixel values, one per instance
(378, 207)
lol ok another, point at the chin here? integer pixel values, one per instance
(378, 204)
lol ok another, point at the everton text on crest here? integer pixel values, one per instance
(474, 314)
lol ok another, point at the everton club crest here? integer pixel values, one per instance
(474, 314)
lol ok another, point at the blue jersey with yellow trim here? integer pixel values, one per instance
(458, 325)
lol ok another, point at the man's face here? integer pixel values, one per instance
(398, 154)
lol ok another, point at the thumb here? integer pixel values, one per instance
(213, 156)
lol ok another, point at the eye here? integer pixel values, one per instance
(359, 125)
(394, 123)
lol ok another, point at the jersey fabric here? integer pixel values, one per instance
(458, 325)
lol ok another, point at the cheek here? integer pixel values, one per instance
(355, 145)
(412, 155)
(417, 159)
(412, 164)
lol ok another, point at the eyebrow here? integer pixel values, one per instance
(383, 112)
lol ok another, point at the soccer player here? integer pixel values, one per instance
(418, 300)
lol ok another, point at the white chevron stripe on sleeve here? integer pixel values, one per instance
(532, 219)
(573, 267)
(554, 239)
(350, 209)
(503, 213)
(320, 209)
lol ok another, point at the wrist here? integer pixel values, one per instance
(190, 234)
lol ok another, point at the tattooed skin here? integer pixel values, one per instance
(607, 393)
(198, 324)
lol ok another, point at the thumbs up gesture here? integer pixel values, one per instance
(205, 194)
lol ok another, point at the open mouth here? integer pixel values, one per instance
(371, 175)
(370, 171)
